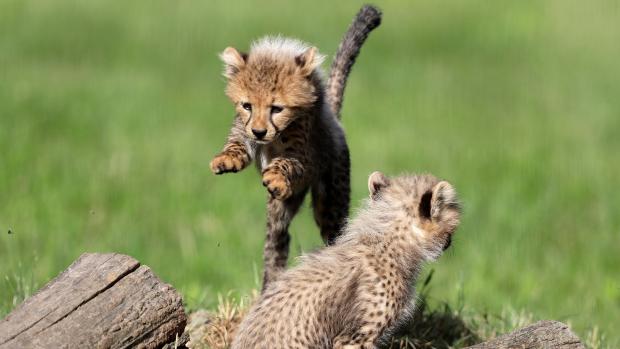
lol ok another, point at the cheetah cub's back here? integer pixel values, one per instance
(353, 293)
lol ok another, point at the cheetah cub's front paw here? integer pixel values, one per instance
(226, 162)
(277, 184)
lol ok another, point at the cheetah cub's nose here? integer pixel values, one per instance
(259, 133)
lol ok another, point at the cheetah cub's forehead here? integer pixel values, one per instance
(273, 55)
(278, 48)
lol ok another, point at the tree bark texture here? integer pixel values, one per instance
(100, 301)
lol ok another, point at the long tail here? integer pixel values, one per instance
(366, 20)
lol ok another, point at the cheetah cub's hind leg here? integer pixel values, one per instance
(330, 200)
(275, 252)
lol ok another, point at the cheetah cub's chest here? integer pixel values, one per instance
(263, 154)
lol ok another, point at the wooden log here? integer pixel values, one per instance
(542, 334)
(100, 301)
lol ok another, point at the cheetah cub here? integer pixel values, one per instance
(288, 121)
(353, 293)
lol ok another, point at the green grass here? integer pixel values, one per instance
(110, 113)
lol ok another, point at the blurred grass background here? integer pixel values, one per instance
(110, 114)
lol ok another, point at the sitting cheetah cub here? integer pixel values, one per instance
(351, 294)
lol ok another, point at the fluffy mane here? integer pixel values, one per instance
(278, 47)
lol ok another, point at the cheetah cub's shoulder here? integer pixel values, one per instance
(353, 293)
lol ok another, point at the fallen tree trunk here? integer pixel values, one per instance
(542, 334)
(100, 301)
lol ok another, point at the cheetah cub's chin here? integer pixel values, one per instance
(354, 293)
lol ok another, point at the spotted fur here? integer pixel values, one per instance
(286, 122)
(353, 293)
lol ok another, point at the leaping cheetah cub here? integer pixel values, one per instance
(288, 121)
(351, 294)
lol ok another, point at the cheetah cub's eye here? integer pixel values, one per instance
(275, 109)
(246, 106)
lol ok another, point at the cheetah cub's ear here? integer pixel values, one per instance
(308, 61)
(376, 182)
(233, 60)
(443, 207)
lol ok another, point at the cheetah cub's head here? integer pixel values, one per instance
(427, 207)
(272, 84)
